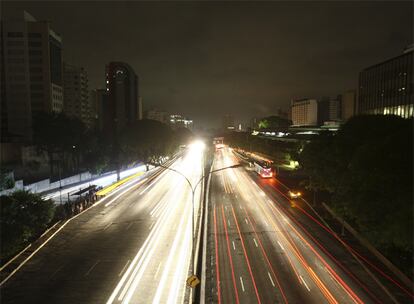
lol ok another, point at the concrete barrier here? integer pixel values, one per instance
(45, 185)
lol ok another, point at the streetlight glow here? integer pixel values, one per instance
(197, 146)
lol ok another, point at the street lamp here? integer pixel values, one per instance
(193, 190)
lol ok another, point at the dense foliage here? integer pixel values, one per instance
(24, 216)
(63, 138)
(72, 147)
(147, 140)
(368, 167)
(274, 123)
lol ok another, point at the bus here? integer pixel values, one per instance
(263, 169)
(218, 142)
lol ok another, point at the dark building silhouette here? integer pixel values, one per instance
(323, 110)
(348, 103)
(123, 106)
(228, 122)
(31, 70)
(387, 87)
(99, 102)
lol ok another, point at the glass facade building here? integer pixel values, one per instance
(387, 87)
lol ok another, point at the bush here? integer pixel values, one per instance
(24, 216)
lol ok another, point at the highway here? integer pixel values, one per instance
(261, 254)
(133, 247)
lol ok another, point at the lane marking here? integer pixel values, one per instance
(246, 257)
(234, 247)
(146, 188)
(255, 242)
(270, 277)
(241, 208)
(242, 285)
(90, 269)
(99, 202)
(57, 270)
(229, 223)
(246, 221)
(230, 258)
(152, 225)
(129, 225)
(43, 234)
(217, 258)
(123, 192)
(159, 208)
(124, 268)
(137, 262)
(107, 226)
(280, 245)
(135, 278)
(267, 225)
(15, 257)
(158, 269)
(306, 285)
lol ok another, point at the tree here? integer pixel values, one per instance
(146, 140)
(97, 153)
(367, 167)
(24, 215)
(6, 179)
(60, 136)
(274, 122)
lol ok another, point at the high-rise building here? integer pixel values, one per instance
(348, 104)
(304, 112)
(155, 114)
(323, 110)
(335, 109)
(100, 108)
(31, 64)
(123, 96)
(228, 122)
(76, 94)
(254, 123)
(387, 87)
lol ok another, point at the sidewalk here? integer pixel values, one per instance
(63, 195)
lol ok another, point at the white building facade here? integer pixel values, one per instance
(304, 112)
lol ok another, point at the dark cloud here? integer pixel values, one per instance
(245, 58)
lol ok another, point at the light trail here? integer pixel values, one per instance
(247, 259)
(244, 183)
(252, 224)
(217, 258)
(348, 247)
(174, 207)
(229, 255)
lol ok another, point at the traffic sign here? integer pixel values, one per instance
(193, 281)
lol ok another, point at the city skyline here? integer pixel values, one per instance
(192, 54)
(206, 152)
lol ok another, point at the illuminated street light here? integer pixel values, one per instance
(197, 146)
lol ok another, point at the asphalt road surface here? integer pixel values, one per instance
(133, 247)
(259, 253)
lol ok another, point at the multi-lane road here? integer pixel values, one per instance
(133, 247)
(261, 253)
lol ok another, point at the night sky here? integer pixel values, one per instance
(204, 59)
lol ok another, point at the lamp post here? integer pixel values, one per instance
(193, 190)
